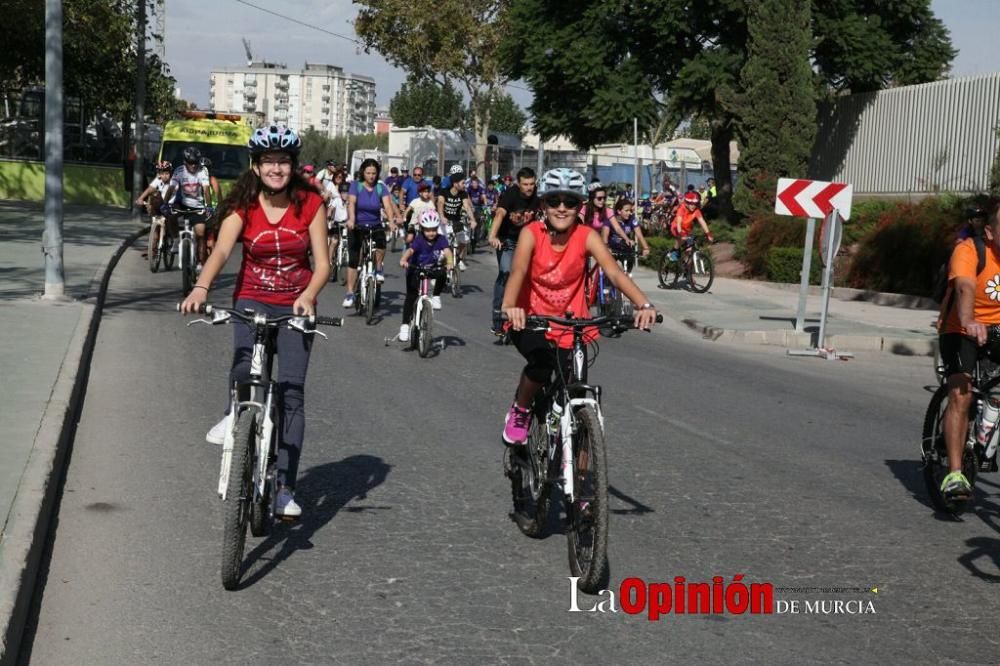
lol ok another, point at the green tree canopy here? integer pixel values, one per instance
(443, 40)
(424, 102)
(506, 116)
(593, 65)
(99, 55)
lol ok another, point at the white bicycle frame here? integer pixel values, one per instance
(567, 428)
(186, 233)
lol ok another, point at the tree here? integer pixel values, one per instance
(443, 40)
(593, 65)
(99, 55)
(506, 116)
(425, 102)
(777, 108)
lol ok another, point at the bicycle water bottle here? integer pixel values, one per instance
(986, 425)
(987, 432)
(555, 418)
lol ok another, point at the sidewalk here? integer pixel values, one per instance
(45, 348)
(749, 312)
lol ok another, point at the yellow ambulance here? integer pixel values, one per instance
(220, 137)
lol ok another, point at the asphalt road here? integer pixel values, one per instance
(723, 461)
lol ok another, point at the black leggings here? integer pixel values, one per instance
(413, 291)
(355, 237)
(542, 357)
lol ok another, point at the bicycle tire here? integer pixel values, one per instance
(668, 272)
(187, 270)
(529, 488)
(167, 254)
(369, 299)
(934, 454)
(235, 508)
(425, 330)
(702, 272)
(260, 511)
(456, 283)
(392, 244)
(153, 247)
(587, 533)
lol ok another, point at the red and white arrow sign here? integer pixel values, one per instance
(812, 198)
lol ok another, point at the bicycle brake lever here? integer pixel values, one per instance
(199, 321)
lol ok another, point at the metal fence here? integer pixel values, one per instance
(934, 137)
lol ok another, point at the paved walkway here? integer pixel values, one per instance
(750, 312)
(42, 343)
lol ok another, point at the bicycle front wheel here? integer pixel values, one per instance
(587, 514)
(187, 265)
(168, 253)
(239, 496)
(153, 247)
(425, 330)
(702, 272)
(456, 283)
(370, 299)
(669, 272)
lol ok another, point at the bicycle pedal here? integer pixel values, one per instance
(288, 519)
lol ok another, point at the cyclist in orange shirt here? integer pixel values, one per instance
(684, 219)
(972, 312)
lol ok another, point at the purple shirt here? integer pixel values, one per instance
(425, 253)
(628, 226)
(368, 209)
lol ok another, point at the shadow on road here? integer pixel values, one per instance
(637, 507)
(322, 492)
(910, 475)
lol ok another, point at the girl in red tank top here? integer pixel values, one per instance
(547, 278)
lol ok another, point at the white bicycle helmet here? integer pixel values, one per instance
(274, 138)
(563, 180)
(429, 220)
(595, 185)
(455, 169)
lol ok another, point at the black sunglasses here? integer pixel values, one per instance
(569, 200)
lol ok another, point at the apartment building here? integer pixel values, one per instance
(321, 97)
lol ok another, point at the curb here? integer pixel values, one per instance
(900, 346)
(38, 490)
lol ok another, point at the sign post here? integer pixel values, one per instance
(814, 199)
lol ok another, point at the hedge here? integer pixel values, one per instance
(784, 264)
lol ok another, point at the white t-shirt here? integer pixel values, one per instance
(162, 187)
(418, 206)
(338, 208)
(191, 187)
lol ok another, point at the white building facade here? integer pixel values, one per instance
(320, 97)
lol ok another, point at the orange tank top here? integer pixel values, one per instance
(555, 281)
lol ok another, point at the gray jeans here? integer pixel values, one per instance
(293, 360)
(505, 257)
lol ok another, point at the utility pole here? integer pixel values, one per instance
(52, 237)
(140, 102)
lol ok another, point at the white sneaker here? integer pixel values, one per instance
(436, 302)
(285, 505)
(348, 301)
(218, 432)
(404, 333)
(461, 265)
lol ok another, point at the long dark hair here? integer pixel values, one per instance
(246, 191)
(592, 207)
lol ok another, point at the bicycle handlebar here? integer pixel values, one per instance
(541, 322)
(310, 321)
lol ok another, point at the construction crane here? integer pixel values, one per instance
(246, 45)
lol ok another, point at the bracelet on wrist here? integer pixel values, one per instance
(198, 286)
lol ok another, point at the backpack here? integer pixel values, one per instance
(941, 279)
(379, 189)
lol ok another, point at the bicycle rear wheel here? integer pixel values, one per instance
(529, 488)
(934, 452)
(587, 515)
(168, 253)
(669, 272)
(239, 494)
(153, 247)
(702, 272)
(425, 330)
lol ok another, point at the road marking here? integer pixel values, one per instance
(681, 425)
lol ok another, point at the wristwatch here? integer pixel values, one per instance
(647, 306)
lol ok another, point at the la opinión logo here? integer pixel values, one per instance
(636, 596)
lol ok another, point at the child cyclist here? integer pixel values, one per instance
(281, 220)
(427, 249)
(159, 191)
(684, 219)
(547, 278)
(631, 233)
(424, 202)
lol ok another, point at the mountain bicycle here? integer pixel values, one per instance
(692, 264)
(422, 325)
(566, 452)
(343, 254)
(975, 458)
(480, 233)
(159, 245)
(338, 258)
(367, 292)
(187, 252)
(248, 472)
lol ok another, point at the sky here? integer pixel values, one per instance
(202, 35)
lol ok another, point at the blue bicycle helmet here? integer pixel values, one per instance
(274, 138)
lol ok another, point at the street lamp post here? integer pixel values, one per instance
(52, 237)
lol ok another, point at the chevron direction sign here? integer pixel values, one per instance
(812, 198)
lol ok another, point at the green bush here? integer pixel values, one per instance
(904, 249)
(770, 231)
(658, 246)
(784, 264)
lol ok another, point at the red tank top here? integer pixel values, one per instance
(276, 267)
(554, 284)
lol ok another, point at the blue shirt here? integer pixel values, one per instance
(427, 254)
(410, 189)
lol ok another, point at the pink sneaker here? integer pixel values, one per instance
(517, 423)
